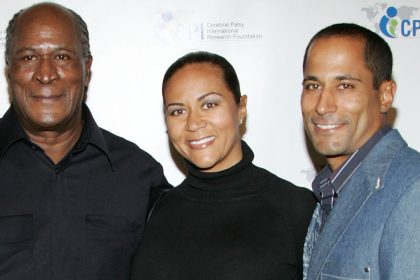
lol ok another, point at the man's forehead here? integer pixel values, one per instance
(45, 14)
(41, 23)
(344, 40)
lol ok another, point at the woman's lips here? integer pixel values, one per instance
(201, 143)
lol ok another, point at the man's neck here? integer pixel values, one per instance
(57, 144)
(337, 162)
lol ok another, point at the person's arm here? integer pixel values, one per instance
(399, 254)
(303, 209)
(159, 187)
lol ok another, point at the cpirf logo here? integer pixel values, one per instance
(388, 23)
(394, 22)
(2, 38)
(178, 26)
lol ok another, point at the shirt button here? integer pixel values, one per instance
(367, 269)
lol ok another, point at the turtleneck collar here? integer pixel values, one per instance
(239, 179)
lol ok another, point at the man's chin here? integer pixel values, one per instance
(329, 151)
(47, 123)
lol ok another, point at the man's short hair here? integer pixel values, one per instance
(81, 24)
(378, 55)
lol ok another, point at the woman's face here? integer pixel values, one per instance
(203, 118)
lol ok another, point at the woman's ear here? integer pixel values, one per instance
(242, 109)
(387, 91)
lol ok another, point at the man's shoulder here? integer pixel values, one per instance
(120, 147)
(7, 122)
(406, 164)
(402, 167)
(390, 148)
(405, 159)
(119, 141)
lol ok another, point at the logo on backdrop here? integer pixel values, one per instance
(388, 23)
(2, 38)
(175, 26)
(394, 22)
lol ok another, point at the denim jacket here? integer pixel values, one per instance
(373, 231)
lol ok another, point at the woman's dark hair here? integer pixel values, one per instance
(229, 74)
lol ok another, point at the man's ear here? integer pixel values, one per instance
(88, 65)
(7, 72)
(7, 75)
(387, 91)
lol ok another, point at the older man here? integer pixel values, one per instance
(74, 197)
(367, 223)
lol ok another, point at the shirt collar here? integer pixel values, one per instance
(12, 132)
(338, 178)
(92, 134)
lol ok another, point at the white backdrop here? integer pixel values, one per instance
(134, 41)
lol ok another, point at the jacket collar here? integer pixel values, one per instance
(12, 132)
(368, 179)
(378, 161)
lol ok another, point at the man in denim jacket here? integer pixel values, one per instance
(367, 223)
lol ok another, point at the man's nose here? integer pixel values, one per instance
(326, 102)
(46, 71)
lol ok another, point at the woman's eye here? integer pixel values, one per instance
(176, 112)
(209, 105)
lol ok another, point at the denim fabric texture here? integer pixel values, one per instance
(310, 239)
(373, 231)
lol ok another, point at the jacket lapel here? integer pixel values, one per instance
(340, 217)
(364, 182)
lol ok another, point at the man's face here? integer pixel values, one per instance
(47, 72)
(341, 109)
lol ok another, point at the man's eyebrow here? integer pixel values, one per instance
(26, 49)
(310, 78)
(347, 77)
(338, 78)
(34, 49)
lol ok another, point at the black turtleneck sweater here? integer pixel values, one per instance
(240, 223)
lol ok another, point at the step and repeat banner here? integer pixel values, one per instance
(134, 41)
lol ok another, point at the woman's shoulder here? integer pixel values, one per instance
(169, 198)
(281, 183)
(287, 192)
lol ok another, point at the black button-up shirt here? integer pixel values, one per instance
(80, 219)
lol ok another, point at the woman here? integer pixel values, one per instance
(229, 219)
